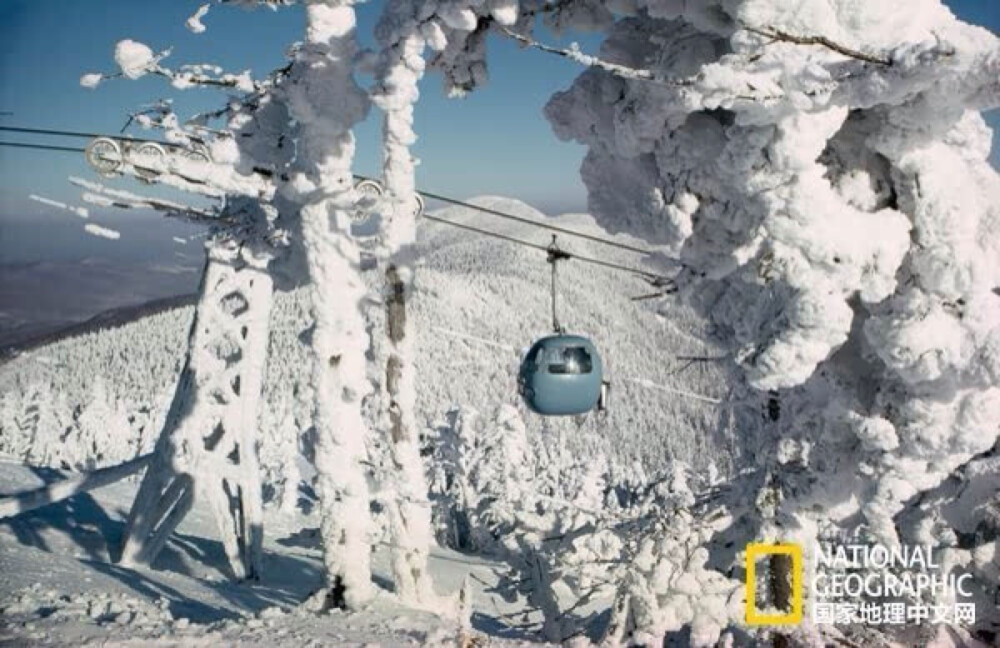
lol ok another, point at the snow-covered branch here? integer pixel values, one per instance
(136, 60)
(574, 53)
(779, 35)
(82, 212)
(101, 195)
(208, 76)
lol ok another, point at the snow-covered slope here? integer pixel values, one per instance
(479, 303)
(59, 586)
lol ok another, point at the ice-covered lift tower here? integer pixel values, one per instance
(283, 167)
(282, 170)
(208, 445)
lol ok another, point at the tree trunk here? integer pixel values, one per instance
(780, 590)
(409, 510)
(340, 382)
(323, 97)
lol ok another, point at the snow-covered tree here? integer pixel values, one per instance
(818, 172)
(481, 474)
(101, 427)
(398, 71)
(10, 429)
(45, 420)
(821, 174)
(326, 102)
(279, 456)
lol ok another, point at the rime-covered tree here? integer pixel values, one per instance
(481, 475)
(46, 419)
(817, 173)
(101, 423)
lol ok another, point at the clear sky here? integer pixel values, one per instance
(495, 141)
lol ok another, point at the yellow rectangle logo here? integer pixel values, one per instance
(755, 551)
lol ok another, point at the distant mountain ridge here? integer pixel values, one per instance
(112, 318)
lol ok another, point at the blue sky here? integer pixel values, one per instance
(495, 141)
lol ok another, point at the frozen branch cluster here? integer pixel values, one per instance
(820, 172)
(581, 534)
(836, 218)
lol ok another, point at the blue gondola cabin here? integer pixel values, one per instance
(561, 375)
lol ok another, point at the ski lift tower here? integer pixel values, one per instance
(207, 448)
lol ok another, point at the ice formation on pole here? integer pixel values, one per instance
(399, 71)
(251, 164)
(207, 448)
(325, 100)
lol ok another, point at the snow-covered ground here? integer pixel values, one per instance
(58, 586)
(479, 302)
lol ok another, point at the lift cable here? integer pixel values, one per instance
(44, 147)
(426, 194)
(656, 279)
(651, 276)
(82, 135)
(527, 221)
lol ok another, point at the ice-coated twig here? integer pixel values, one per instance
(574, 53)
(270, 4)
(102, 232)
(98, 194)
(691, 360)
(82, 212)
(194, 23)
(782, 36)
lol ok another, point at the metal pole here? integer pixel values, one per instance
(555, 317)
(555, 255)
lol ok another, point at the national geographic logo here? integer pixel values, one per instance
(786, 552)
(861, 583)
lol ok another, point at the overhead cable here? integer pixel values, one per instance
(426, 194)
(656, 279)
